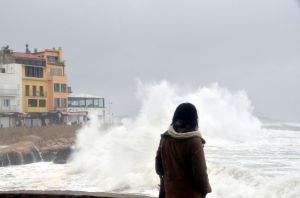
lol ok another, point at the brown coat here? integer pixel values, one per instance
(181, 165)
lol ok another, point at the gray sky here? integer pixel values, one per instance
(250, 44)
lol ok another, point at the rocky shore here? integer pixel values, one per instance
(28, 145)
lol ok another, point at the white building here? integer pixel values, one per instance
(81, 106)
(10, 92)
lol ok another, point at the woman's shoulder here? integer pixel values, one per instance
(196, 144)
(195, 140)
(164, 135)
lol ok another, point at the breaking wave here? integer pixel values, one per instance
(121, 158)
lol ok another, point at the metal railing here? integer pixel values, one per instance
(6, 109)
(37, 95)
(57, 62)
(8, 92)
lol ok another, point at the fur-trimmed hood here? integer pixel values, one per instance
(183, 135)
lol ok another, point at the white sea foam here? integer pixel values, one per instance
(122, 157)
(238, 182)
(244, 160)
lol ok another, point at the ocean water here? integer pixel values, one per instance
(245, 157)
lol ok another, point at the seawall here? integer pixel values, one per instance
(64, 194)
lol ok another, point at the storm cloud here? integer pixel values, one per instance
(252, 45)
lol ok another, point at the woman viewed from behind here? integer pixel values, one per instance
(180, 160)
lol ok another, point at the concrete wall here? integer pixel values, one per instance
(65, 194)
(4, 122)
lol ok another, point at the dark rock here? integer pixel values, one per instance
(34, 149)
(62, 156)
(15, 158)
(28, 158)
(48, 154)
(19, 153)
(4, 160)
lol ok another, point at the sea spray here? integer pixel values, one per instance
(244, 160)
(240, 182)
(121, 158)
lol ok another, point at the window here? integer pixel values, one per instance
(63, 102)
(27, 90)
(6, 102)
(81, 102)
(60, 88)
(73, 102)
(56, 72)
(96, 102)
(56, 87)
(28, 71)
(56, 102)
(63, 88)
(60, 102)
(86, 102)
(30, 62)
(52, 59)
(35, 72)
(40, 72)
(32, 103)
(42, 103)
(2, 70)
(89, 102)
(102, 103)
(42, 91)
(99, 102)
(34, 90)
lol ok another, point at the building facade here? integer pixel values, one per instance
(34, 91)
(25, 73)
(57, 81)
(10, 88)
(34, 84)
(82, 106)
(23, 88)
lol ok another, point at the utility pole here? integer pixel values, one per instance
(110, 114)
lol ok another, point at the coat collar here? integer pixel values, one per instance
(171, 131)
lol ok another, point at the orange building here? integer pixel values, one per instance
(57, 81)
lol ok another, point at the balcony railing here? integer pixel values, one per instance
(7, 109)
(8, 92)
(62, 63)
(37, 95)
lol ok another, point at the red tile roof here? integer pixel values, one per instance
(23, 55)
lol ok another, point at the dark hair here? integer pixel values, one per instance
(186, 117)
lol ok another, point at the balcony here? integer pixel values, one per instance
(37, 95)
(9, 92)
(56, 62)
(8, 109)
